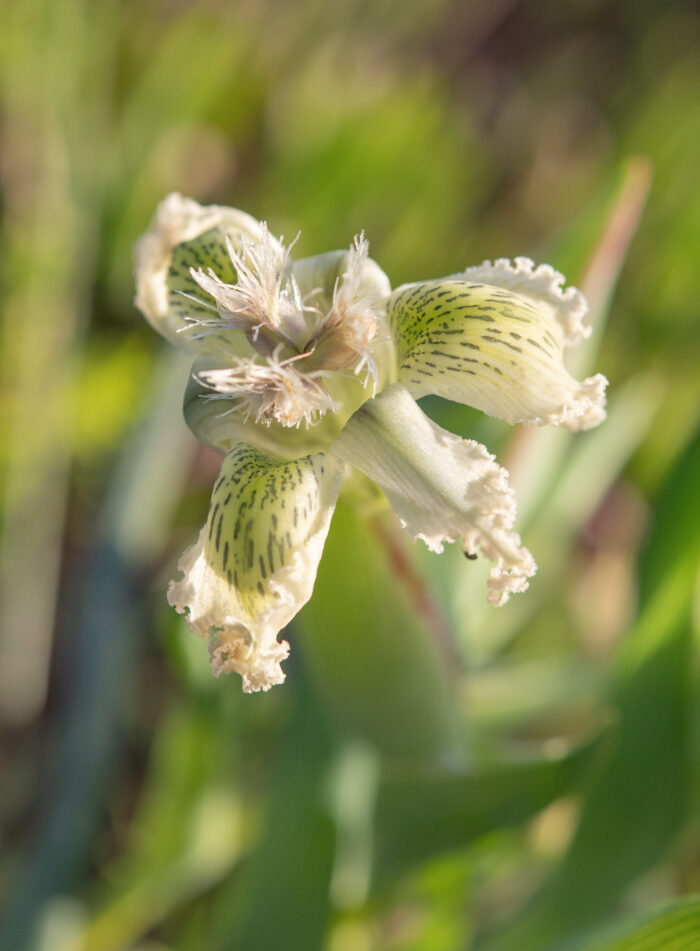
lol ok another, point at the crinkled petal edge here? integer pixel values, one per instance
(237, 643)
(443, 488)
(541, 282)
(492, 534)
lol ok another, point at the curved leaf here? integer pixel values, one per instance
(639, 799)
(674, 927)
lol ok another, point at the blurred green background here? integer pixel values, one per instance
(435, 774)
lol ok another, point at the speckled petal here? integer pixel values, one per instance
(254, 564)
(442, 487)
(184, 235)
(544, 286)
(494, 348)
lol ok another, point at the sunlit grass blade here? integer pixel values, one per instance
(538, 453)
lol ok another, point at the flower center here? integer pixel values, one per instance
(295, 346)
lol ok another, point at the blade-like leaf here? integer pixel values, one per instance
(282, 896)
(638, 800)
(674, 927)
(425, 811)
(369, 642)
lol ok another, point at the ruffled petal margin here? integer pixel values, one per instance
(542, 285)
(254, 564)
(441, 487)
(497, 348)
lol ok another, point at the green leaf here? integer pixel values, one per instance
(369, 643)
(425, 811)
(638, 800)
(674, 927)
(284, 889)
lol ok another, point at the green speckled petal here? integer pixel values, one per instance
(543, 286)
(254, 564)
(188, 303)
(184, 234)
(491, 348)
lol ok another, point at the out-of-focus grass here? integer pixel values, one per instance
(147, 806)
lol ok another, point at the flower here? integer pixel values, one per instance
(302, 367)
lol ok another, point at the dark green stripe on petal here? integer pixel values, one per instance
(184, 235)
(254, 564)
(490, 348)
(185, 296)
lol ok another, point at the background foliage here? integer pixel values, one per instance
(435, 774)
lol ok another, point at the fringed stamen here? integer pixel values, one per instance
(274, 390)
(262, 296)
(347, 335)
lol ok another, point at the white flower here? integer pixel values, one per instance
(304, 366)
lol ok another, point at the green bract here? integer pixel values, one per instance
(304, 366)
